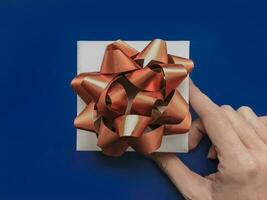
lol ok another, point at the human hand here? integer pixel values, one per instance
(239, 141)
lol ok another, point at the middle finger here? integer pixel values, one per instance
(243, 129)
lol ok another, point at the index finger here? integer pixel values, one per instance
(217, 126)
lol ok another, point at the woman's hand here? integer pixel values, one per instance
(239, 141)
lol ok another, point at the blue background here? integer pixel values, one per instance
(38, 61)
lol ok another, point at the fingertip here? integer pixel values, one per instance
(196, 133)
(212, 154)
(192, 145)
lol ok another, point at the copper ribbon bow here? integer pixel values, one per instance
(133, 100)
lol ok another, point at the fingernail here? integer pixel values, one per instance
(212, 154)
(209, 155)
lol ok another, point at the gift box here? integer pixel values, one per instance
(90, 58)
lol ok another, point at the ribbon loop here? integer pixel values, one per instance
(133, 100)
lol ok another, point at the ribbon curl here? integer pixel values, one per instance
(133, 100)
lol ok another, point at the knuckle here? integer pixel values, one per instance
(247, 166)
(251, 169)
(244, 108)
(165, 163)
(226, 107)
(245, 169)
(263, 164)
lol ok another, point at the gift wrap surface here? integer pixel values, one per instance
(38, 52)
(89, 58)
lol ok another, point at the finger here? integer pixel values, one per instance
(264, 119)
(201, 103)
(251, 118)
(212, 154)
(196, 133)
(243, 129)
(189, 183)
(215, 122)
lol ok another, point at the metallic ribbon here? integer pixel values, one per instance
(133, 100)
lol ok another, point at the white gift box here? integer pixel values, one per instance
(89, 59)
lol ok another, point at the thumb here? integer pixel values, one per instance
(190, 184)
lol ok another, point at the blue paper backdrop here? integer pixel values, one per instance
(38, 61)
